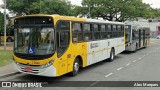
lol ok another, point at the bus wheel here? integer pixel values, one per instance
(76, 67)
(112, 54)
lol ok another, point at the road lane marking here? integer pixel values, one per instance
(139, 58)
(134, 61)
(94, 83)
(143, 56)
(128, 64)
(108, 75)
(151, 52)
(119, 68)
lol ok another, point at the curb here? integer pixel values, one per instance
(10, 74)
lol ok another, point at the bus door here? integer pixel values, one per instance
(144, 37)
(63, 41)
(140, 35)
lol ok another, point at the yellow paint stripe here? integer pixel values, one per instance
(104, 49)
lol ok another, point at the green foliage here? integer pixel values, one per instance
(79, 10)
(20, 7)
(62, 7)
(1, 21)
(121, 10)
(6, 57)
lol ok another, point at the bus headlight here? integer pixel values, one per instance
(48, 64)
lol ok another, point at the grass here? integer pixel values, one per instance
(5, 57)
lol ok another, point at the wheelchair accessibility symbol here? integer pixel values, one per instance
(31, 50)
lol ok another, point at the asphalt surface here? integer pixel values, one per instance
(143, 65)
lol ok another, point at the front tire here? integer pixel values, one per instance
(112, 55)
(76, 67)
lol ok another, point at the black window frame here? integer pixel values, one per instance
(57, 37)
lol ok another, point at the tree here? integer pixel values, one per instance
(156, 12)
(120, 10)
(79, 10)
(1, 21)
(21, 7)
(1, 24)
(62, 7)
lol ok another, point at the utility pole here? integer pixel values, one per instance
(40, 6)
(89, 11)
(4, 25)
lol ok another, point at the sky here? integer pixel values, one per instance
(153, 3)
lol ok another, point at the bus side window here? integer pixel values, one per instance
(115, 33)
(87, 32)
(122, 31)
(96, 32)
(63, 35)
(109, 30)
(118, 31)
(77, 34)
(103, 31)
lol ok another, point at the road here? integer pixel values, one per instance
(143, 65)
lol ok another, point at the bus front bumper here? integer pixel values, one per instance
(36, 70)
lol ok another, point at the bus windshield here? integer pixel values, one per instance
(34, 40)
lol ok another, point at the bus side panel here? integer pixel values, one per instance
(97, 51)
(121, 45)
(78, 49)
(104, 49)
(113, 44)
(93, 51)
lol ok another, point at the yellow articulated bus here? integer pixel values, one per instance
(53, 45)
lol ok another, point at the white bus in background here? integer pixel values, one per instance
(136, 37)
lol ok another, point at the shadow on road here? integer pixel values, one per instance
(65, 77)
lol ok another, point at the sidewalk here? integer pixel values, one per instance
(7, 48)
(8, 69)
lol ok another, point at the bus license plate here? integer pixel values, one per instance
(28, 70)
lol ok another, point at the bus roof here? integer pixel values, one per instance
(59, 17)
(103, 21)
